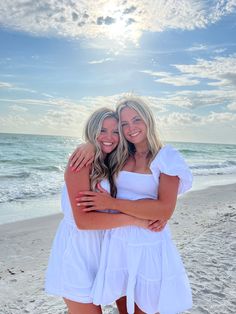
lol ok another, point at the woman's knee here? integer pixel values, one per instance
(82, 308)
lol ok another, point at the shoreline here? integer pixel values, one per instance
(21, 210)
(203, 228)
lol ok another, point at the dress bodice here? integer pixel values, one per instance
(133, 185)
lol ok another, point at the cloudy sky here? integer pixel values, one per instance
(60, 60)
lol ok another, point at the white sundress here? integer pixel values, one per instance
(143, 265)
(74, 258)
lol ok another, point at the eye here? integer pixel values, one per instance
(123, 124)
(137, 119)
(116, 132)
(103, 130)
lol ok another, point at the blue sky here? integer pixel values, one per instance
(60, 60)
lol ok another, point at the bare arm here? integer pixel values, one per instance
(83, 156)
(160, 209)
(77, 182)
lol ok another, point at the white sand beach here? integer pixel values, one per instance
(203, 227)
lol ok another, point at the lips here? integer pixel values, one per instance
(134, 134)
(107, 143)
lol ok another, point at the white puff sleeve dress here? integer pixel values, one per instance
(142, 265)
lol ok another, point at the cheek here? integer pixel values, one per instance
(125, 130)
(117, 140)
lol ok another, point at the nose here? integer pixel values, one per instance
(131, 127)
(109, 135)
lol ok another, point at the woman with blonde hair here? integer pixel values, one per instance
(138, 267)
(75, 254)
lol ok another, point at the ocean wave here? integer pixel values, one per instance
(28, 161)
(14, 161)
(49, 168)
(7, 144)
(20, 175)
(192, 151)
(17, 194)
(220, 165)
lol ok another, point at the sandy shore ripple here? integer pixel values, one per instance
(203, 227)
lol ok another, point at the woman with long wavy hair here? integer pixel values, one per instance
(142, 269)
(75, 254)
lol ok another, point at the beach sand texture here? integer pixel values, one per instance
(203, 227)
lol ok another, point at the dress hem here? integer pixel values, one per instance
(61, 294)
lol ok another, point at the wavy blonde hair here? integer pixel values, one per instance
(126, 148)
(102, 168)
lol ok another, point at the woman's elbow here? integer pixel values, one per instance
(80, 224)
(167, 211)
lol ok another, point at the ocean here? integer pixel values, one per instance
(32, 167)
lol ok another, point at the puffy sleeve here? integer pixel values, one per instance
(170, 162)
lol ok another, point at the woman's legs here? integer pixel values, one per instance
(137, 310)
(82, 308)
(121, 305)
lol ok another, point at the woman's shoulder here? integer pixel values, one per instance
(170, 162)
(70, 173)
(167, 152)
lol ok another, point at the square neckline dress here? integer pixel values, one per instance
(142, 265)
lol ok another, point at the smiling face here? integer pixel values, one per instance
(133, 126)
(108, 138)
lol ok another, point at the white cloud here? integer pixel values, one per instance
(168, 78)
(190, 99)
(220, 50)
(100, 61)
(220, 118)
(13, 122)
(18, 108)
(5, 85)
(59, 116)
(187, 119)
(198, 47)
(28, 101)
(117, 19)
(218, 73)
(180, 119)
(177, 81)
(232, 106)
(213, 128)
(9, 86)
(67, 117)
(220, 69)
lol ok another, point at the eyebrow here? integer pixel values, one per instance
(131, 119)
(106, 129)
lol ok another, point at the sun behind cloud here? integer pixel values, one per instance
(118, 20)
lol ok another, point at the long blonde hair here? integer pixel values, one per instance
(102, 168)
(126, 148)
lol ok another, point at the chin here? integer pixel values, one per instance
(108, 150)
(135, 140)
